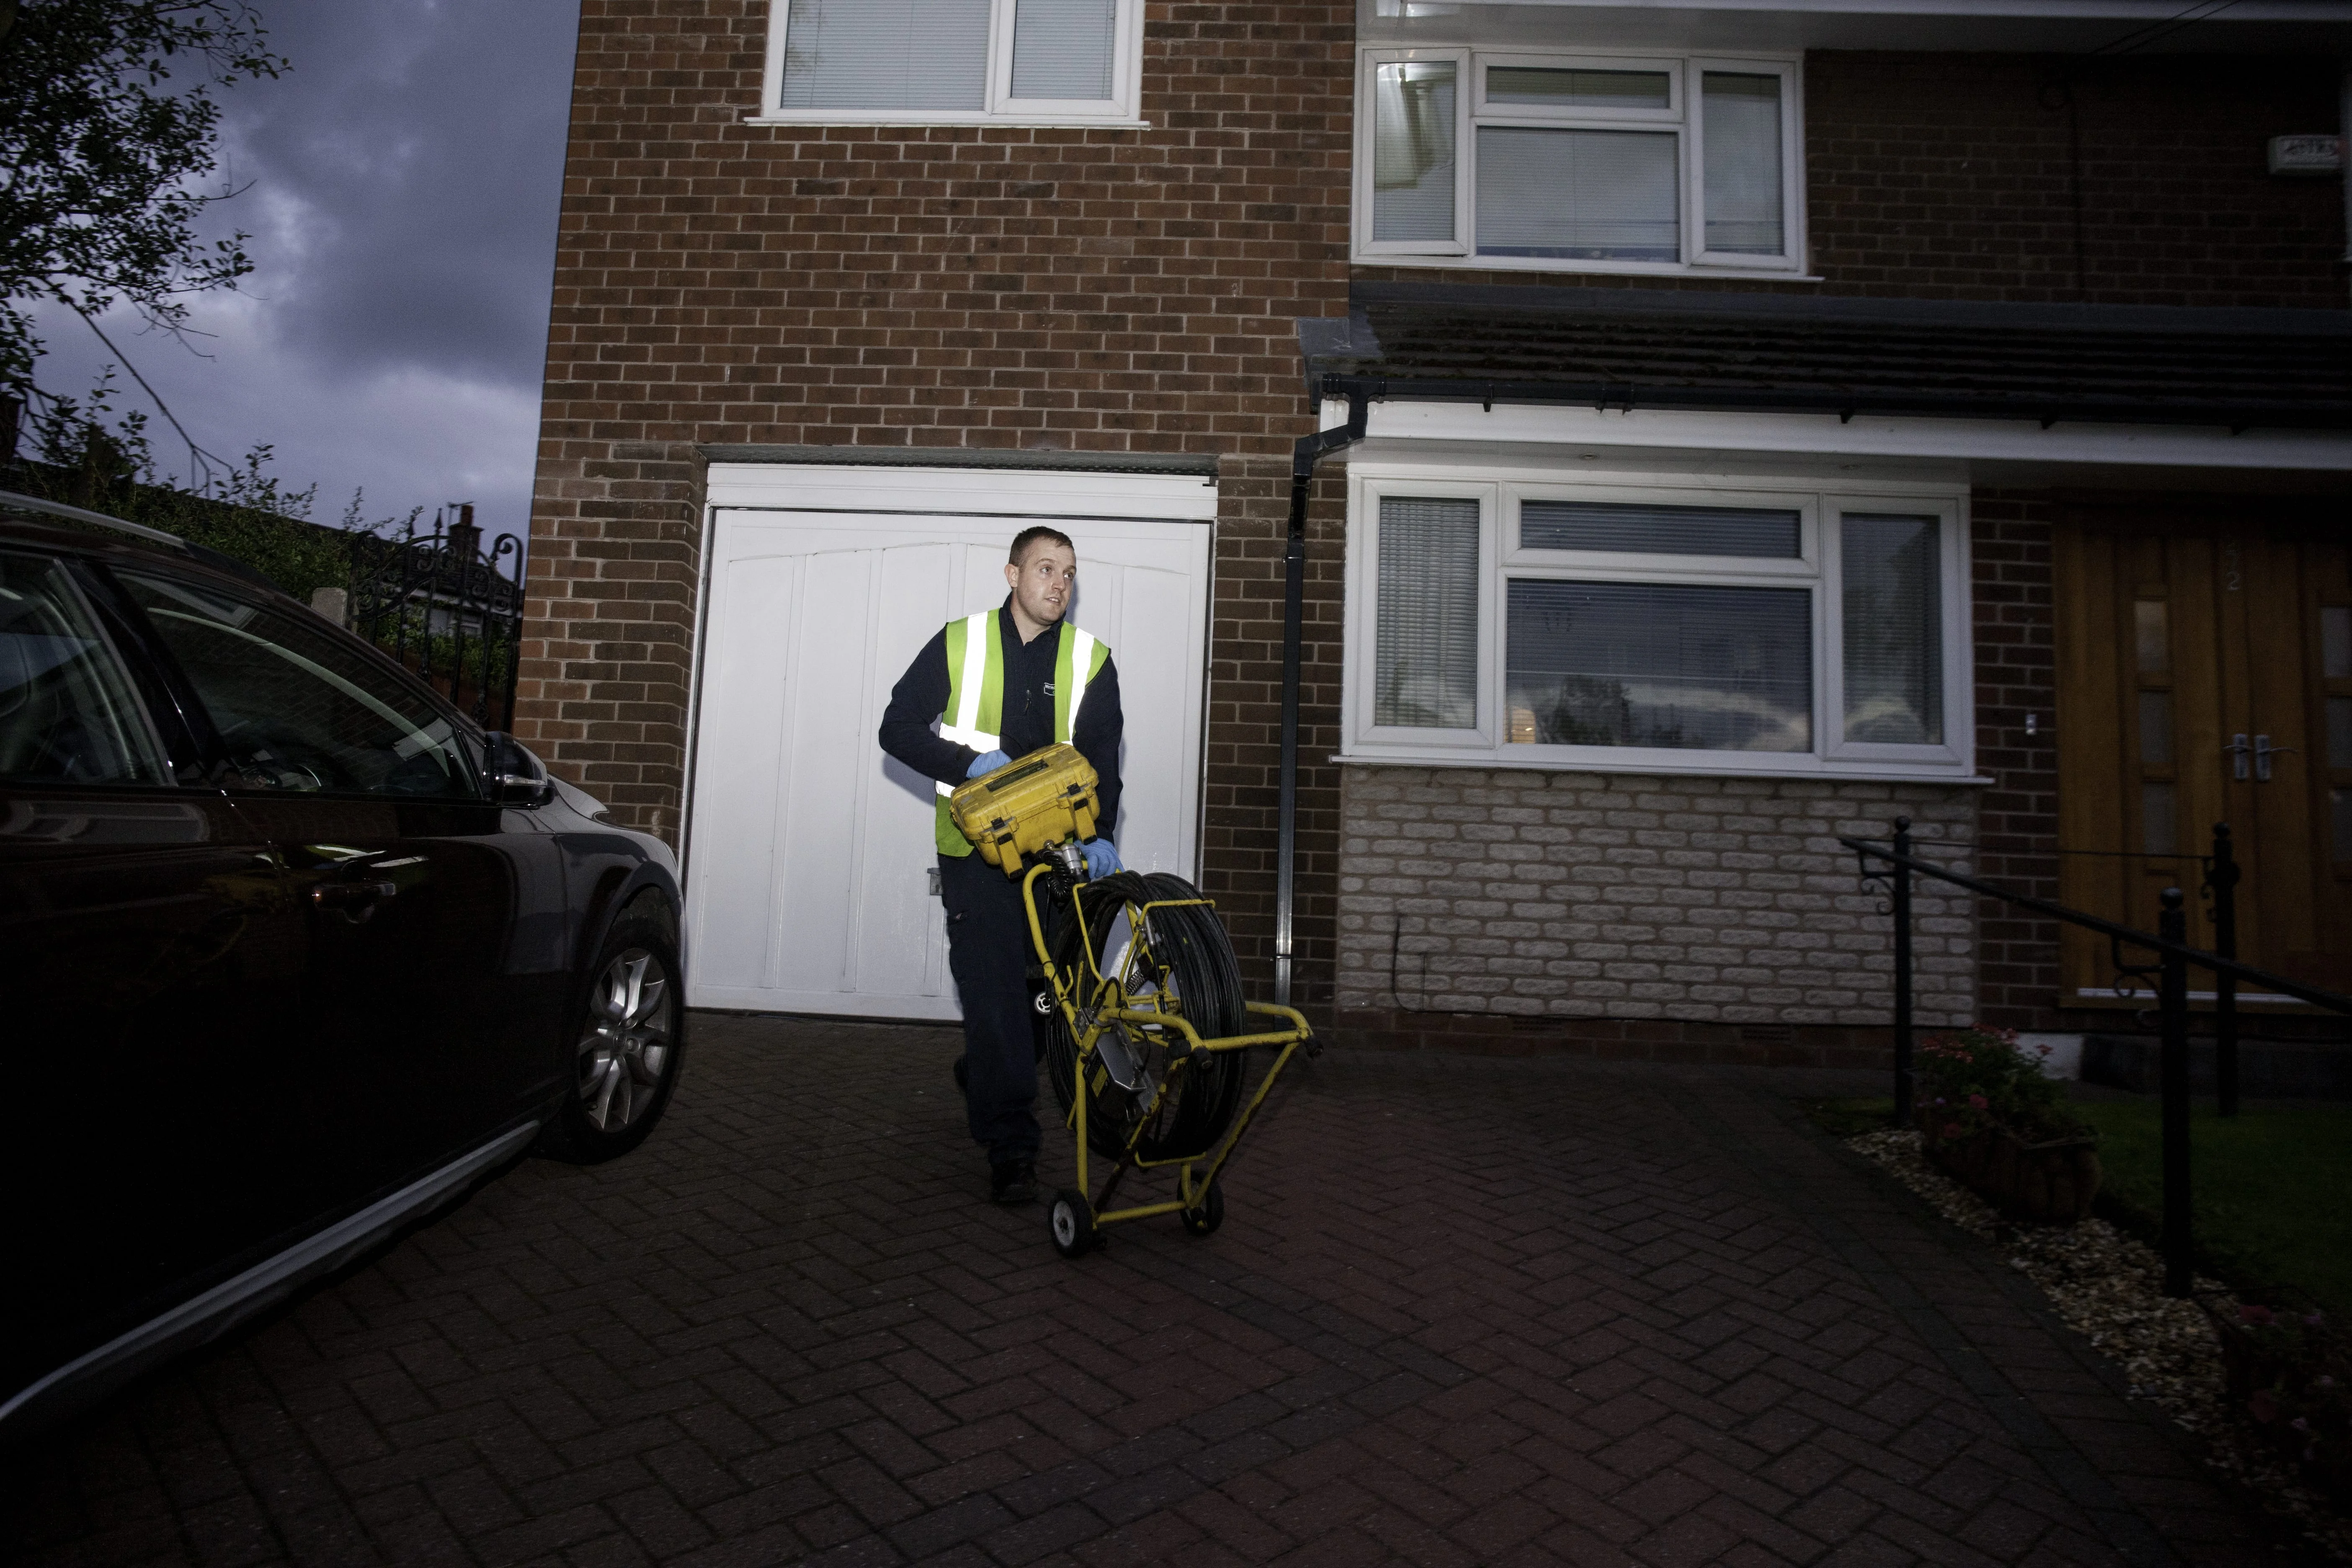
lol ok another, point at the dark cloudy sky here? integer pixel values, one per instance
(404, 181)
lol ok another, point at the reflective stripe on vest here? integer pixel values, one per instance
(979, 644)
(1071, 690)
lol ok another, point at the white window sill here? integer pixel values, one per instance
(1781, 767)
(1605, 269)
(905, 122)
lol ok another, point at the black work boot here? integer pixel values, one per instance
(1013, 1181)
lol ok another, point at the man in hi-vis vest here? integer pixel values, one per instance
(1000, 685)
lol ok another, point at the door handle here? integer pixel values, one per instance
(2237, 751)
(353, 900)
(2264, 752)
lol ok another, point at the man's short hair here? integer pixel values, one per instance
(1029, 536)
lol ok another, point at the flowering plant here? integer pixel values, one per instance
(2289, 1370)
(1973, 1079)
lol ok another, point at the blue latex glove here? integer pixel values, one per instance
(986, 765)
(1102, 858)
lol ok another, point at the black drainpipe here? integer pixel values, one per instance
(1309, 451)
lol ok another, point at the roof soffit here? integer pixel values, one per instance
(2038, 27)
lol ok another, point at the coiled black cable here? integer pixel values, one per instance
(1205, 978)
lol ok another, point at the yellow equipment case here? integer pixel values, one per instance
(1027, 807)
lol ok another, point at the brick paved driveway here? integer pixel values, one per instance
(1463, 1311)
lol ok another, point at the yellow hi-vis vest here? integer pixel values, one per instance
(975, 709)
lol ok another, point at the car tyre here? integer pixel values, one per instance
(624, 1045)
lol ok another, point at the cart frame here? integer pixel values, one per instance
(1092, 1008)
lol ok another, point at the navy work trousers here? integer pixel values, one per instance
(989, 955)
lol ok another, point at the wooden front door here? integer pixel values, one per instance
(2205, 676)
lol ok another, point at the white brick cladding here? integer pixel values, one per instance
(1623, 896)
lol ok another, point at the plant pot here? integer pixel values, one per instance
(2044, 1184)
(2251, 1360)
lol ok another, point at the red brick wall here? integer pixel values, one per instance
(1961, 175)
(2017, 819)
(1000, 288)
(1245, 731)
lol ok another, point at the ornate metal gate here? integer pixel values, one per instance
(441, 604)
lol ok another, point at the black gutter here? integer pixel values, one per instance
(1629, 395)
(1309, 451)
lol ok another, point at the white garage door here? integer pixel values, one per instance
(809, 852)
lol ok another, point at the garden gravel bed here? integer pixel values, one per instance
(2109, 1287)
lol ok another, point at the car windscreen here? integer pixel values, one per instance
(299, 708)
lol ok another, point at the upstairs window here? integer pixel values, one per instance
(1579, 164)
(952, 62)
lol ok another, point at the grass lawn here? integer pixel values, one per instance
(2272, 1188)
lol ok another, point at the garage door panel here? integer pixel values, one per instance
(897, 919)
(1155, 684)
(744, 701)
(809, 851)
(823, 762)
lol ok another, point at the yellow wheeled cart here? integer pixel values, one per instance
(1142, 1025)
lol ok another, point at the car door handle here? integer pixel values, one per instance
(353, 900)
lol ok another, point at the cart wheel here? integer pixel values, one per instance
(1073, 1223)
(1205, 1220)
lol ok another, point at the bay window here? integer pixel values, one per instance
(952, 62)
(1658, 627)
(1508, 160)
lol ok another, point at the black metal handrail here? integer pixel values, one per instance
(2174, 956)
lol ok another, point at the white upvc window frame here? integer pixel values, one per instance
(1820, 503)
(1684, 117)
(1363, 703)
(1366, 247)
(1792, 162)
(1951, 538)
(1121, 109)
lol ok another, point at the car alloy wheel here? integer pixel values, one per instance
(627, 1047)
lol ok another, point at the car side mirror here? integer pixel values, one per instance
(514, 776)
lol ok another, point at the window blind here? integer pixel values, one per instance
(1593, 194)
(1062, 48)
(1741, 143)
(1642, 664)
(1413, 151)
(1553, 87)
(1639, 529)
(1425, 641)
(914, 55)
(1894, 630)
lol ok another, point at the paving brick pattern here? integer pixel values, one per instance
(1463, 1311)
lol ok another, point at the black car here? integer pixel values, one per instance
(294, 951)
